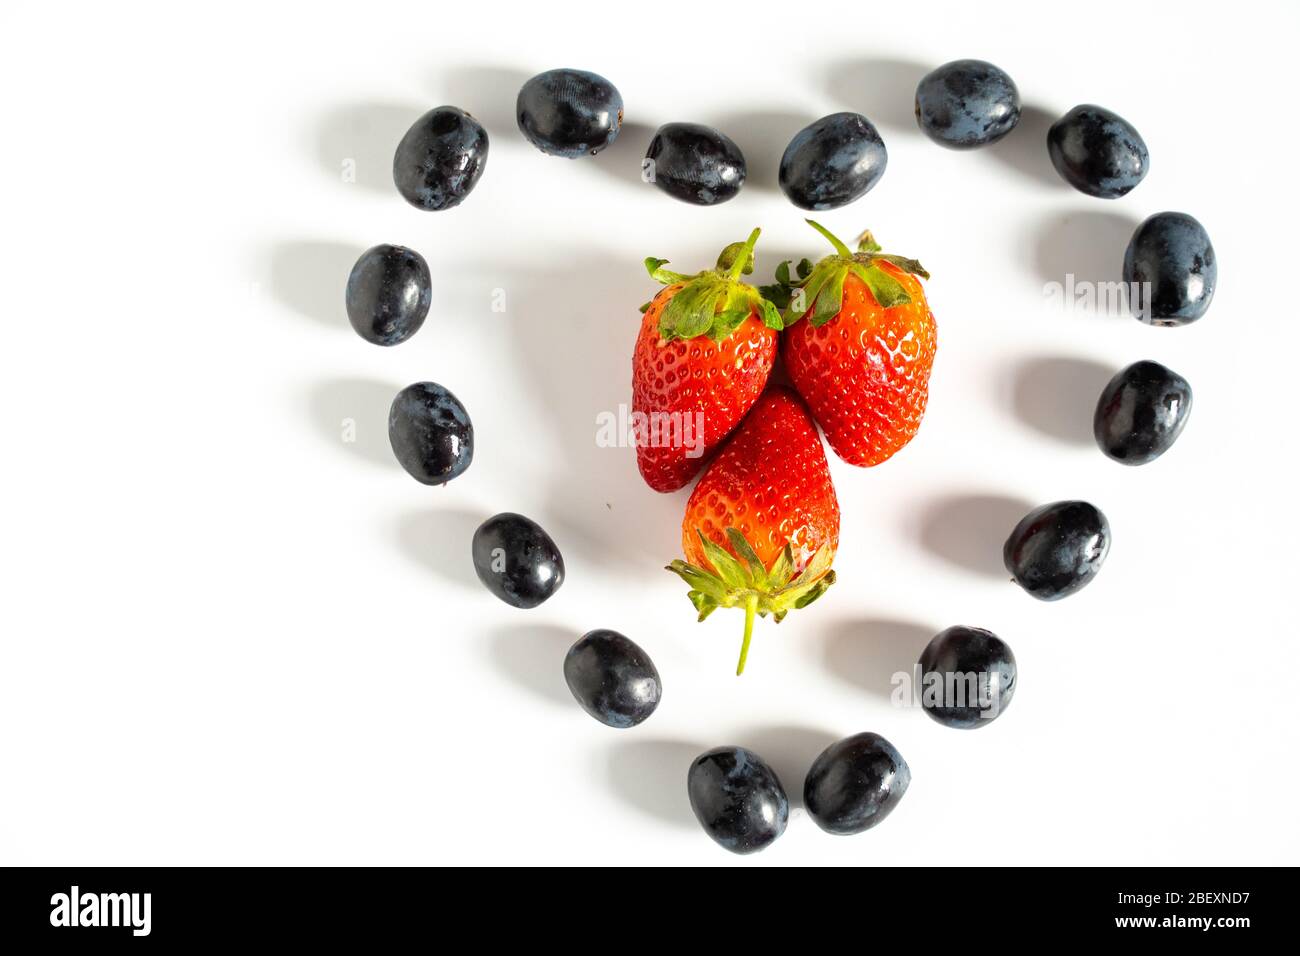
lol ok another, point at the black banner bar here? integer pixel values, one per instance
(134, 907)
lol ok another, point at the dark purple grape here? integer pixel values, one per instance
(855, 783)
(1097, 152)
(695, 164)
(388, 294)
(430, 432)
(569, 113)
(1141, 413)
(967, 103)
(517, 560)
(737, 798)
(440, 159)
(612, 679)
(1057, 549)
(1171, 269)
(968, 676)
(833, 162)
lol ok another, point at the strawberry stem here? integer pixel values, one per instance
(840, 247)
(751, 606)
(744, 258)
(737, 578)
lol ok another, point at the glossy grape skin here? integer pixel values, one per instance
(696, 164)
(388, 294)
(1141, 413)
(1097, 152)
(832, 162)
(431, 433)
(612, 679)
(1057, 549)
(516, 560)
(967, 103)
(855, 783)
(440, 159)
(1171, 268)
(963, 651)
(569, 113)
(737, 798)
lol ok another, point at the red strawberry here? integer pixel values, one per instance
(762, 526)
(862, 356)
(706, 346)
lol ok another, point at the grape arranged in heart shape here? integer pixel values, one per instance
(753, 539)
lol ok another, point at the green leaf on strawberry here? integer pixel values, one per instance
(819, 290)
(744, 582)
(716, 301)
(778, 293)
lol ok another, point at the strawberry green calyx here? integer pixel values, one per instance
(716, 301)
(744, 582)
(819, 289)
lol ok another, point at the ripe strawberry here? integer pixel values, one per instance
(862, 356)
(762, 526)
(706, 346)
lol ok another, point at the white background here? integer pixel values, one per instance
(231, 637)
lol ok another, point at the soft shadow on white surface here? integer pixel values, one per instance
(352, 414)
(532, 657)
(968, 531)
(1088, 245)
(488, 93)
(789, 751)
(621, 159)
(1024, 149)
(572, 327)
(762, 136)
(868, 652)
(650, 775)
(311, 278)
(355, 143)
(882, 89)
(1056, 395)
(438, 539)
